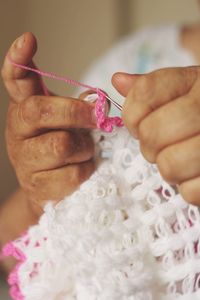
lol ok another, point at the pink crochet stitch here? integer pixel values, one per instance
(104, 122)
(11, 250)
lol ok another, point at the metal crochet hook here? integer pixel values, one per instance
(114, 102)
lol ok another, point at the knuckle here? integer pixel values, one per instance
(30, 153)
(46, 111)
(61, 144)
(35, 110)
(166, 164)
(29, 110)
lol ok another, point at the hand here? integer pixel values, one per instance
(48, 138)
(162, 109)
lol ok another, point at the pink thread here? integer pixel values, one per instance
(104, 122)
(13, 279)
(10, 249)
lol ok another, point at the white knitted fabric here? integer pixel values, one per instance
(124, 235)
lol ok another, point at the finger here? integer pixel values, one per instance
(92, 97)
(20, 83)
(180, 162)
(65, 181)
(39, 114)
(155, 89)
(190, 190)
(123, 82)
(171, 123)
(56, 149)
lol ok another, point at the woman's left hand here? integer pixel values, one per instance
(162, 109)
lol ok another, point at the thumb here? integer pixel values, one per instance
(20, 83)
(123, 82)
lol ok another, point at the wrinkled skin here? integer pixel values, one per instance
(48, 137)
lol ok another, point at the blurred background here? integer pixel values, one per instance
(71, 35)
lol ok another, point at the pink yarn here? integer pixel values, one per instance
(13, 280)
(104, 122)
(12, 250)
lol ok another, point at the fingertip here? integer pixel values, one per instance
(117, 78)
(30, 42)
(123, 76)
(123, 82)
(21, 52)
(23, 48)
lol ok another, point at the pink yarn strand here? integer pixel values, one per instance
(53, 76)
(104, 122)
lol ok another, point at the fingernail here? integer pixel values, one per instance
(20, 42)
(91, 98)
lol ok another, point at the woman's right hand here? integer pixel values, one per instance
(48, 137)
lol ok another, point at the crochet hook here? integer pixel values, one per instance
(114, 102)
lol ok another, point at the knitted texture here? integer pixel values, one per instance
(124, 235)
(105, 122)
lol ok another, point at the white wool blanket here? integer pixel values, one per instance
(125, 234)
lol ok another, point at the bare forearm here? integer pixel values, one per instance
(16, 216)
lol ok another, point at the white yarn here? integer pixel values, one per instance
(124, 235)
